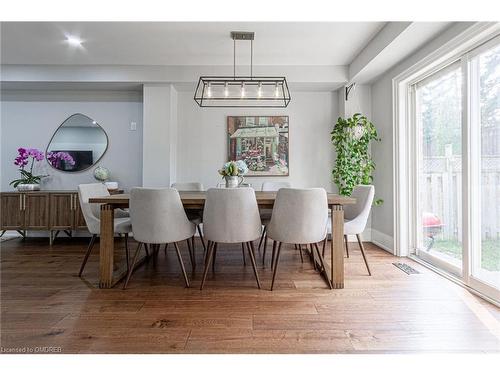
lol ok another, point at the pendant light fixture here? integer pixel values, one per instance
(242, 91)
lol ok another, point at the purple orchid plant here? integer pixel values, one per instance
(29, 156)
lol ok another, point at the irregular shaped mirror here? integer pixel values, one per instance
(77, 144)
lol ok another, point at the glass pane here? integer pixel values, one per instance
(487, 262)
(439, 120)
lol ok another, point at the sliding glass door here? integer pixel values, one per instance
(485, 166)
(438, 110)
(456, 117)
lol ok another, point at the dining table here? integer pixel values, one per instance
(110, 274)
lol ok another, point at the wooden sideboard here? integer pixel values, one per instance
(53, 211)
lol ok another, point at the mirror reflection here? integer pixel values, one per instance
(77, 144)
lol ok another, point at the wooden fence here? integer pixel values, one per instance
(441, 194)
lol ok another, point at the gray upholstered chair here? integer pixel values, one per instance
(92, 213)
(265, 213)
(299, 217)
(195, 216)
(356, 216)
(231, 216)
(158, 217)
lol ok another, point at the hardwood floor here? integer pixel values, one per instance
(44, 303)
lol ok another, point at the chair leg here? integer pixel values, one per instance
(312, 256)
(215, 256)
(346, 245)
(127, 253)
(265, 243)
(251, 251)
(243, 253)
(87, 254)
(301, 256)
(133, 265)
(210, 253)
(201, 238)
(205, 256)
(193, 246)
(146, 246)
(323, 269)
(165, 248)
(363, 253)
(181, 263)
(324, 246)
(275, 244)
(261, 238)
(276, 265)
(191, 256)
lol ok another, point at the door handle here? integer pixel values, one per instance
(71, 203)
(21, 202)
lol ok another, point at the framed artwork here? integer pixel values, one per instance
(261, 141)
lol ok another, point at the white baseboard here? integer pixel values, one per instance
(382, 240)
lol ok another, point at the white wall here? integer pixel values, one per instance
(30, 120)
(202, 142)
(159, 138)
(382, 116)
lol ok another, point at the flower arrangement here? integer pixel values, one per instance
(29, 156)
(234, 168)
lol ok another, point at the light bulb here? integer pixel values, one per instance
(226, 90)
(259, 90)
(74, 41)
(209, 91)
(242, 90)
(277, 91)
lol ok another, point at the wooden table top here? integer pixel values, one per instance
(198, 198)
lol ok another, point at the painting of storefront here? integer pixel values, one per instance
(262, 142)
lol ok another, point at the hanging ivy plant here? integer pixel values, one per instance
(351, 138)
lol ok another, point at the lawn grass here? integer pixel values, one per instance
(490, 252)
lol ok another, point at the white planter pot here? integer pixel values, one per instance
(28, 187)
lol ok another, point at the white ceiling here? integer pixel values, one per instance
(184, 43)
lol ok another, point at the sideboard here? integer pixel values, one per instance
(48, 210)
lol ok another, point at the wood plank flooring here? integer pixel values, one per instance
(44, 303)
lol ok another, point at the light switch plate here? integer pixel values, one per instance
(133, 126)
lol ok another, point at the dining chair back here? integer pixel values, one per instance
(91, 211)
(356, 215)
(299, 216)
(158, 216)
(188, 186)
(231, 215)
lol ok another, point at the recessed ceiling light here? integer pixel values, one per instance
(74, 40)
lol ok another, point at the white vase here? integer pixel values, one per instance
(233, 181)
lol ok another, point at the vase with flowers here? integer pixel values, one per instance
(28, 156)
(233, 172)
